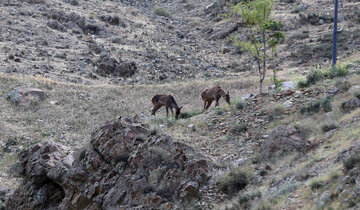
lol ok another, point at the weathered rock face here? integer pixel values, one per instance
(110, 66)
(284, 139)
(125, 167)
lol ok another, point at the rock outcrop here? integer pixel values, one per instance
(110, 66)
(124, 167)
(284, 139)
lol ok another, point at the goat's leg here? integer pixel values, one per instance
(172, 111)
(209, 104)
(155, 108)
(205, 104)
(167, 111)
(217, 102)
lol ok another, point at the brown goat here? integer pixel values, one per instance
(165, 100)
(214, 93)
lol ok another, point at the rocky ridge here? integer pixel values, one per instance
(125, 167)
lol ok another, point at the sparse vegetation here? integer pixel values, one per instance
(235, 180)
(189, 114)
(159, 11)
(316, 184)
(240, 127)
(154, 131)
(352, 162)
(316, 75)
(328, 127)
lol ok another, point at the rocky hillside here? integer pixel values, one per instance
(69, 66)
(89, 42)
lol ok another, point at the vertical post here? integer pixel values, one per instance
(335, 33)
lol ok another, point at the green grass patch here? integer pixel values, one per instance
(189, 114)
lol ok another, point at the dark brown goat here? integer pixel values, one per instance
(165, 100)
(214, 93)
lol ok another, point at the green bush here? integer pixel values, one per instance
(185, 115)
(302, 84)
(237, 179)
(311, 108)
(329, 127)
(239, 104)
(159, 11)
(326, 105)
(154, 131)
(316, 184)
(339, 70)
(352, 161)
(246, 199)
(219, 111)
(315, 75)
(240, 127)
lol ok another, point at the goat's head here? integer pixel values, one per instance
(178, 112)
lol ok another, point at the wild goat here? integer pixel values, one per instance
(214, 93)
(165, 100)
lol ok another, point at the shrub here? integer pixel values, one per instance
(240, 127)
(297, 36)
(245, 199)
(357, 95)
(326, 105)
(310, 108)
(159, 155)
(314, 76)
(339, 70)
(302, 84)
(74, 2)
(352, 161)
(185, 115)
(239, 104)
(234, 181)
(154, 131)
(219, 111)
(316, 184)
(159, 11)
(329, 127)
(257, 158)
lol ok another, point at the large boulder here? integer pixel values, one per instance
(125, 167)
(284, 139)
(26, 95)
(110, 66)
(351, 104)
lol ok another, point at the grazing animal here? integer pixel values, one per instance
(165, 100)
(214, 93)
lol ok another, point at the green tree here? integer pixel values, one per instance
(263, 34)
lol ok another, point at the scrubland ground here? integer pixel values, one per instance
(176, 54)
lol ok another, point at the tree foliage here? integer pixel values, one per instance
(263, 34)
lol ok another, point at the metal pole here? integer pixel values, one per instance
(335, 33)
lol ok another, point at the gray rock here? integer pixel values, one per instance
(351, 104)
(250, 95)
(325, 197)
(290, 85)
(284, 139)
(321, 22)
(23, 95)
